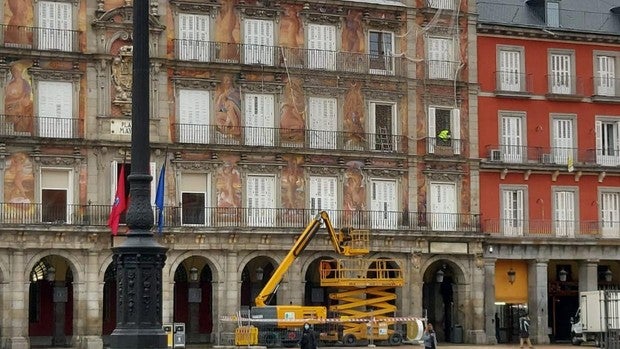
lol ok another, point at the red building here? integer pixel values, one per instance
(549, 143)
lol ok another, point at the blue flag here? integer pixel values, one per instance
(159, 198)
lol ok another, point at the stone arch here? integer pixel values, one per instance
(72, 262)
(216, 267)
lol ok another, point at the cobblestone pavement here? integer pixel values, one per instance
(441, 345)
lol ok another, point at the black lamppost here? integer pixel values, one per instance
(140, 258)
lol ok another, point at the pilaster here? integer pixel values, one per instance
(490, 327)
(18, 328)
(537, 301)
(588, 275)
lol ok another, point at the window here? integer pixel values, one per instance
(382, 124)
(324, 196)
(321, 46)
(381, 49)
(561, 73)
(552, 13)
(442, 4)
(511, 138)
(194, 116)
(564, 212)
(510, 75)
(261, 200)
(115, 170)
(258, 41)
(513, 212)
(443, 210)
(55, 109)
(610, 213)
(193, 37)
(440, 53)
(383, 204)
(194, 198)
(323, 122)
(608, 142)
(605, 79)
(259, 119)
(56, 196)
(444, 129)
(55, 26)
(563, 141)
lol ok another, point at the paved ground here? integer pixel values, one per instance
(441, 345)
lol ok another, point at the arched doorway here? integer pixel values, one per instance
(193, 299)
(254, 276)
(314, 294)
(441, 300)
(108, 322)
(50, 308)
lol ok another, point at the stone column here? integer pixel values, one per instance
(59, 298)
(295, 281)
(588, 275)
(416, 286)
(194, 298)
(18, 311)
(475, 321)
(490, 326)
(537, 301)
(89, 304)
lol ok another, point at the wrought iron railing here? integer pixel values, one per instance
(513, 82)
(289, 57)
(284, 137)
(36, 126)
(239, 217)
(439, 146)
(552, 156)
(551, 228)
(565, 84)
(40, 38)
(442, 70)
(606, 86)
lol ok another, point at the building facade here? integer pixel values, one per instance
(264, 113)
(548, 115)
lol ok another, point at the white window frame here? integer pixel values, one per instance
(606, 65)
(562, 79)
(381, 62)
(323, 195)
(68, 175)
(384, 210)
(607, 154)
(455, 129)
(323, 122)
(55, 33)
(193, 37)
(513, 151)
(511, 69)
(55, 109)
(258, 41)
(565, 211)
(321, 50)
(563, 150)
(257, 216)
(202, 186)
(440, 57)
(444, 221)
(114, 178)
(194, 105)
(609, 211)
(442, 4)
(259, 119)
(516, 224)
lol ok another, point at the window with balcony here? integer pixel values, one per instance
(444, 131)
(260, 198)
(259, 119)
(511, 68)
(56, 196)
(561, 73)
(442, 4)
(55, 110)
(443, 209)
(383, 204)
(322, 122)
(115, 170)
(383, 124)
(321, 46)
(511, 138)
(55, 26)
(195, 198)
(605, 83)
(193, 37)
(607, 142)
(381, 50)
(440, 56)
(563, 141)
(258, 41)
(610, 213)
(513, 211)
(194, 116)
(324, 196)
(564, 207)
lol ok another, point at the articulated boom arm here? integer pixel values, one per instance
(346, 241)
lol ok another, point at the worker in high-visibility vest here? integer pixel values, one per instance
(444, 136)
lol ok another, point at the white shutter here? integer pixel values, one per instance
(55, 109)
(194, 116)
(610, 214)
(562, 141)
(564, 213)
(321, 46)
(383, 204)
(439, 58)
(55, 22)
(261, 200)
(322, 123)
(443, 206)
(259, 119)
(606, 85)
(510, 69)
(194, 37)
(114, 180)
(599, 141)
(258, 41)
(432, 132)
(456, 131)
(513, 212)
(511, 139)
(560, 74)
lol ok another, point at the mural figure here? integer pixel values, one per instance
(292, 35)
(293, 115)
(18, 98)
(354, 120)
(18, 16)
(228, 108)
(228, 186)
(293, 183)
(19, 180)
(227, 31)
(353, 33)
(354, 198)
(122, 76)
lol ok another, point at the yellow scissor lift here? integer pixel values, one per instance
(362, 302)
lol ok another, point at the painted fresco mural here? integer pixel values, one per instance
(228, 188)
(18, 97)
(227, 30)
(18, 14)
(354, 119)
(354, 198)
(293, 182)
(353, 38)
(293, 112)
(228, 108)
(18, 187)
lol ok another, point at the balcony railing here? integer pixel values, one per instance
(287, 57)
(551, 228)
(513, 82)
(565, 84)
(220, 217)
(40, 38)
(281, 137)
(563, 156)
(36, 126)
(606, 86)
(441, 70)
(445, 147)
